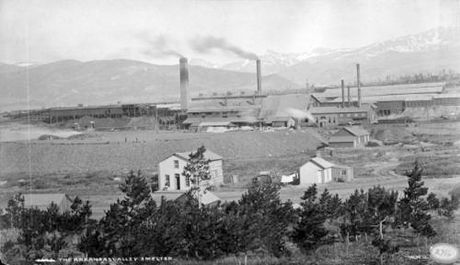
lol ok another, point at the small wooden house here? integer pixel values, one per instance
(318, 170)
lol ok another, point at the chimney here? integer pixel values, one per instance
(359, 86)
(343, 93)
(259, 77)
(184, 96)
(349, 97)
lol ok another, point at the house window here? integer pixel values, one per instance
(176, 163)
(167, 181)
(343, 172)
(187, 181)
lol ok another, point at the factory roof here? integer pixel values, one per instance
(168, 105)
(403, 89)
(341, 139)
(451, 95)
(86, 107)
(198, 120)
(222, 109)
(216, 123)
(419, 98)
(356, 130)
(220, 104)
(326, 110)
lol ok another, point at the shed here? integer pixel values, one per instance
(342, 173)
(316, 170)
(360, 135)
(207, 197)
(342, 142)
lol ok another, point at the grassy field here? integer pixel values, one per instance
(90, 165)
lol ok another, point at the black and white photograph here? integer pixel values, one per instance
(230, 132)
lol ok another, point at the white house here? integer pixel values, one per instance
(316, 170)
(170, 171)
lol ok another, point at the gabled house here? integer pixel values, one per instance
(316, 170)
(319, 171)
(43, 201)
(170, 171)
(350, 137)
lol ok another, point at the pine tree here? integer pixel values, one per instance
(14, 210)
(309, 232)
(197, 168)
(413, 208)
(266, 219)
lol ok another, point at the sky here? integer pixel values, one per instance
(157, 31)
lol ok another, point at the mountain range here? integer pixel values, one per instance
(70, 82)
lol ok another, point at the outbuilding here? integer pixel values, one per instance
(316, 170)
(350, 137)
(44, 200)
(319, 171)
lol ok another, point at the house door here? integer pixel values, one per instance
(177, 181)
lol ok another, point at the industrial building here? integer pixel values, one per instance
(334, 116)
(258, 109)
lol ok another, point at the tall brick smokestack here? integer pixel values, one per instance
(359, 85)
(343, 93)
(349, 97)
(259, 77)
(184, 94)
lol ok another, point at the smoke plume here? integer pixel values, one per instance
(159, 46)
(300, 114)
(206, 44)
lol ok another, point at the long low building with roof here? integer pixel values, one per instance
(333, 116)
(401, 89)
(388, 100)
